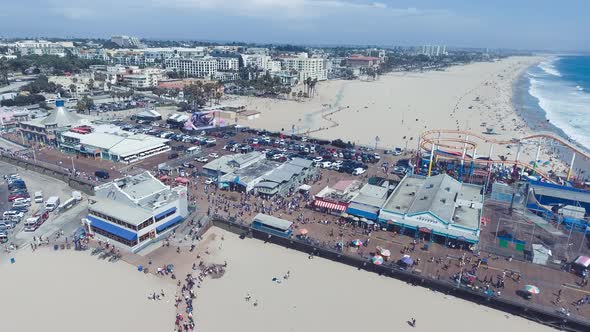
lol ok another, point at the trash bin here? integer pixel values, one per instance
(12, 260)
(55, 247)
(140, 268)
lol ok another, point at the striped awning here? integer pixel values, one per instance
(330, 205)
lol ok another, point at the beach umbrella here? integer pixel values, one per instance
(357, 242)
(364, 219)
(377, 260)
(303, 231)
(385, 252)
(344, 215)
(532, 289)
(407, 260)
(355, 218)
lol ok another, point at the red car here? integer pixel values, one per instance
(11, 198)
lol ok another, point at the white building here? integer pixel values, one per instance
(143, 79)
(126, 41)
(437, 207)
(43, 47)
(160, 54)
(306, 67)
(258, 50)
(227, 64)
(111, 143)
(202, 68)
(261, 61)
(136, 210)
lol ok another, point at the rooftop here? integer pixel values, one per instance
(131, 214)
(140, 186)
(441, 195)
(273, 221)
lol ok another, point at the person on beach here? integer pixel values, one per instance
(413, 322)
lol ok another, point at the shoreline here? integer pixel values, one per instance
(528, 108)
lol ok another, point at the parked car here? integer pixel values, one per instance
(358, 171)
(210, 181)
(102, 174)
(173, 155)
(213, 155)
(202, 159)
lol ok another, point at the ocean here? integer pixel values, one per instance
(554, 95)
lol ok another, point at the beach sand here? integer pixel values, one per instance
(321, 295)
(398, 107)
(74, 291)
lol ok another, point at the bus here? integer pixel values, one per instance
(34, 222)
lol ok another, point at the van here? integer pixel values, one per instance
(38, 197)
(102, 174)
(52, 203)
(193, 149)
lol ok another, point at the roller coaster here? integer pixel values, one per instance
(462, 146)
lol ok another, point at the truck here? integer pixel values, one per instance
(32, 223)
(38, 197)
(52, 203)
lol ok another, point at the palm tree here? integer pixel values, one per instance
(73, 90)
(91, 86)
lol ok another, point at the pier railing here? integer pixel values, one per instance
(538, 313)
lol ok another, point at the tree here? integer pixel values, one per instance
(73, 89)
(3, 72)
(90, 85)
(85, 104)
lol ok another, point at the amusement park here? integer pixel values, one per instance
(535, 206)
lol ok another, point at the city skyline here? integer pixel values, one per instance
(457, 23)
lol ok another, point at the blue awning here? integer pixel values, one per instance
(361, 213)
(110, 228)
(169, 223)
(163, 213)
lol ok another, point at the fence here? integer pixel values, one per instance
(534, 312)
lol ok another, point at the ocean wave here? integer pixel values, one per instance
(579, 88)
(549, 68)
(565, 107)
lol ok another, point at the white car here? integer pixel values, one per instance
(359, 171)
(202, 159)
(23, 200)
(326, 164)
(377, 156)
(397, 152)
(318, 159)
(213, 155)
(210, 181)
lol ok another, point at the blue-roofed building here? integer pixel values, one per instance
(136, 210)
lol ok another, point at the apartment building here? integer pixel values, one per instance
(42, 47)
(306, 67)
(202, 68)
(227, 64)
(143, 79)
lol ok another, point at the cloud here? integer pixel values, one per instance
(292, 9)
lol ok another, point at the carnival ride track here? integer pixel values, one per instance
(427, 142)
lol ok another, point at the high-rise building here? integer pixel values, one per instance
(126, 41)
(202, 68)
(306, 67)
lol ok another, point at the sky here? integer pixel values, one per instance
(517, 24)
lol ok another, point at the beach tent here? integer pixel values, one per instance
(583, 261)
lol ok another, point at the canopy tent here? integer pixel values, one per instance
(304, 187)
(303, 231)
(583, 261)
(407, 260)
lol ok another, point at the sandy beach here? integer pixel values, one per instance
(321, 295)
(74, 291)
(398, 107)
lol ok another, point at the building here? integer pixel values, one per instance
(228, 64)
(43, 47)
(126, 41)
(227, 76)
(437, 208)
(135, 210)
(361, 61)
(46, 129)
(272, 225)
(202, 68)
(111, 143)
(285, 178)
(231, 163)
(143, 79)
(306, 67)
(335, 199)
(367, 203)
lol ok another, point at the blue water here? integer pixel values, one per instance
(559, 90)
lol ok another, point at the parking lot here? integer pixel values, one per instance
(49, 187)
